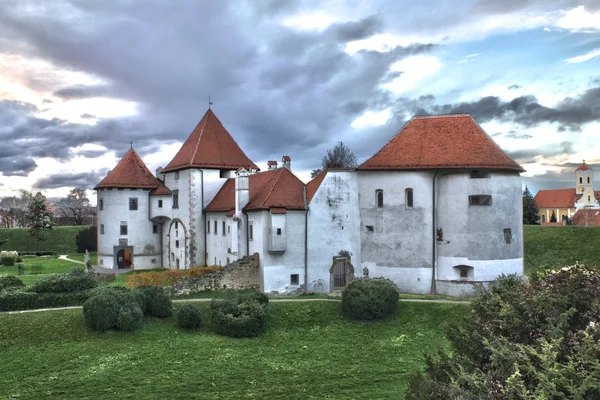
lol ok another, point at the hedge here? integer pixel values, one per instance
(110, 308)
(72, 281)
(10, 281)
(367, 299)
(15, 300)
(189, 317)
(156, 302)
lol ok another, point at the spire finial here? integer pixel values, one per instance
(210, 103)
(131, 145)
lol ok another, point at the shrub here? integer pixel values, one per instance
(251, 295)
(146, 279)
(74, 280)
(10, 281)
(15, 300)
(189, 317)
(87, 239)
(173, 275)
(367, 299)
(37, 253)
(245, 319)
(158, 304)
(197, 272)
(8, 258)
(109, 308)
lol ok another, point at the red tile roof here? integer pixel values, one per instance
(556, 198)
(274, 189)
(209, 146)
(583, 167)
(130, 173)
(441, 142)
(313, 185)
(559, 198)
(586, 218)
(162, 190)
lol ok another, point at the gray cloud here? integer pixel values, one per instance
(81, 179)
(83, 92)
(517, 135)
(549, 150)
(514, 86)
(16, 165)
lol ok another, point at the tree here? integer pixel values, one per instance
(339, 156)
(12, 210)
(553, 217)
(39, 218)
(75, 206)
(530, 209)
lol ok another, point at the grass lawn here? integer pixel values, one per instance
(36, 268)
(559, 246)
(308, 352)
(81, 256)
(61, 239)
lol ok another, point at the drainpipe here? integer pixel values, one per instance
(433, 235)
(305, 243)
(162, 257)
(204, 221)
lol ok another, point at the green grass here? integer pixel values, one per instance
(559, 246)
(61, 239)
(308, 352)
(36, 268)
(81, 256)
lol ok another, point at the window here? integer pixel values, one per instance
(215, 227)
(408, 197)
(102, 229)
(176, 224)
(133, 203)
(250, 232)
(370, 228)
(160, 204)
(208, 226)
(589, 199)
(479, 174)
(278, 231)
(123, 228)
(228, 228)
(507, 236)
(464, 273)
(177, 244)
(223, 228)
(175, 198)
(154, 228)
(379, 198)
(294, 279)
(480, 200)
(176, 175)
(588, 179)
(580, 179)
(101, 204)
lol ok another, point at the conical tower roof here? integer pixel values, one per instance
(210, 146)
(130, 173)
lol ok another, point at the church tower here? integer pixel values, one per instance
(584, 188)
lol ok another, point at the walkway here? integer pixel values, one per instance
(97, 269)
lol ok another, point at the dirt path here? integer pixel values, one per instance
(68, 259)
(270, 300)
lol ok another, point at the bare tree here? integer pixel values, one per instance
(75, 207)
(12, 210)
(339, 156)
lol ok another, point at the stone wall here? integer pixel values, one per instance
(241, 274)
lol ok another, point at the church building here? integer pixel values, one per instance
(436, 210)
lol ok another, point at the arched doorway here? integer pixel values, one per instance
(341, 273)
(124, 258)
(177, 242)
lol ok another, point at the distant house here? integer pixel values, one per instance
(563, 204)
(437, 209)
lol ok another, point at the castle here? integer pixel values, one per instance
(437, 210)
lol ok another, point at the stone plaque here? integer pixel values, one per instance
(122, 242)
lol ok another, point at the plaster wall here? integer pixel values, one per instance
(146, 245)
(474, 235)
(219, 242)
(333, 228)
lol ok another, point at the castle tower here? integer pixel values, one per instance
(584, 187)
(126, 237)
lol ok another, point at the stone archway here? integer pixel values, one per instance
(177, 244)
(340, 273)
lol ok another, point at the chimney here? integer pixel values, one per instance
(159, 174)
(271, 164)
(287, 163)
(242, 190)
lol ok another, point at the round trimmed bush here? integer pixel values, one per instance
(74, 280)
(245, 319)
(252, 295)
(189, 317)
(10, 281)
(367, 299)
(157, 302)
(110, 308)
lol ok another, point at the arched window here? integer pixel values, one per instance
(543, 218)
(379, 198)
(408, 194)
(580, 180)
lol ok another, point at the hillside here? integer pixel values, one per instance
(558, 246)
(60, 240)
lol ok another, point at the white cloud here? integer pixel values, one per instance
(309, 21)
(579, 19)
(584, 57)
(414, 69)
(371, 118)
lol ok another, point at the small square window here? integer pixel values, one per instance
(123, 229)
(177, 244)
(101, 204)
(133, 203)
(160, 204)
(278, 231)
(154, 228)
(507, 235)
(480, 200)
(294, 279)
(102, 229)
(464, 273)
(370, 228)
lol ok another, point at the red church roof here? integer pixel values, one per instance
(210, 146)
(275, 189)
(583, 167)
(441, 142)
(130, 173)
(559, 198)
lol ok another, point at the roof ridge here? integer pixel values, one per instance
(441, 116)
(280, 170)
(198, 141)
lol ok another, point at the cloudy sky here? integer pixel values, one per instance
(81, 79)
